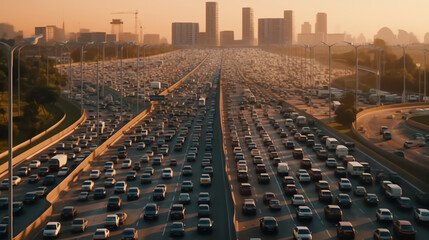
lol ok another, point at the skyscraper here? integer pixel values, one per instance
(212, 23)
(247, 25)
(288, 16)
(306, 27)
(271, 31)
(321, 26)
(184, 33)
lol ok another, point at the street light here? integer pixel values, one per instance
(122, 75)
(329, 83)
(10, 49)
(404, 70)
(19, 80)
(64, 44)
(81, 74)
(356, 74)
(424, 62)
(144, 67)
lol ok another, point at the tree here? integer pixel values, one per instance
(346, 112)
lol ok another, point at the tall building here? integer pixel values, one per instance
(151, 39)
(271, 31)
(212, 23)
(248, 32)
(96, 37)
(288, 16)
(306, 27)
(117, 26)
(40, 31)
(321, 29)
(227, 38)
(184, 34)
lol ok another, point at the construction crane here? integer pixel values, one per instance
(136, 13)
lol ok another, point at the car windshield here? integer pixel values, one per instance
(407, 228)
(128, 232)
(99, 232)
(176, 208)
(270, 222)
(305, 210)
(303, 231)
(385, 234)
(425, 214)
(51, 227)
(78, 221)
(347, 228)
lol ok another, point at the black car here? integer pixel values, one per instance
(340, 172)
(333, 212)
(68, 212)
(322, 154)
(289, 144)
(43, 171)
(343, 200)
(371, 199)
(242, 176)
(100, 193)
(17, 207)
(34, 178)
(268, 225)
(30, 197)
(306, 163)
(325, 196)
(49, 180)
(114, 203)
(177, 229)
(249, 207)
(151, 211)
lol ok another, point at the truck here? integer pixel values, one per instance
(355, 168)
(58, 161)
(332, 143)
(393, 191)
(202, 102)
(155, 85)
(301, 121)
(341, 151)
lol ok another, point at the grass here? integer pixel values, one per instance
(62, 106)
(421, 119)
(346, 130)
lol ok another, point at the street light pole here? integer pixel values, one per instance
(120, 91)
(424, 85)
(19, 80)
(404, 70)
(329, 83)
(98, 97)
(138, 80)
(81, 78)
(10, 51)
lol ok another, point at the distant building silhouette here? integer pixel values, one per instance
(403, 36)
(151, 39)
(426, 38)
(184, 34)
(227, 38)
(271, 31)
(212, 23)
(288, 25)
(248, 32)
(321, 27)
(96, 37)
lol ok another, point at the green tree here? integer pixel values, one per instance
(346, 112)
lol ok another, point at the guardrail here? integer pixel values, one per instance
(54, 193)
(418, 125)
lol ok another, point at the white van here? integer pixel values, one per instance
(283, 169)
(301, 121)
(355, 168)
(341, 151)
(393, 191)
(332, 143)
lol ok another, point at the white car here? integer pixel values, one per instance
(94, 174)
(101, 233)
(92, 147)
(205, 179)
(384, 214)
(108, 165)
(304, 177)
(34, 164)
(298, 199)
(87, 185)
(184, 198)
(52, 230)
(302, 232)
(344, 184)
(63, 171)
(331, 162)
(421, 215)
(16, 180)
(109, 173)
(167, 173)
(127, 163)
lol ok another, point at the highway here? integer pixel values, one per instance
(95, 210)
(359, 214)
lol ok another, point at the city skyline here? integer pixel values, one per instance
(156, 18)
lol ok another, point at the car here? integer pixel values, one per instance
(408, 144)
(94, 174)
(131, 175)
(340, 172)
(315, 174)
(204, 198)
(302, 232)
(384, 215)
(126, 163)
(343, 200)
(289, 144)
(268, 225)
(290, 189)
(404, 203)
(34, 164)
(109, 182)
(274, 204)
(114, 203)
(268, 196)
(177, 212)
(68, 212)
(261, 168)
(133, 193)
(30, 198)
(145, 178)
(421, 215)
(101, 233)
(109, 173)
(34, 178)
(120, 187)
(167, 173)
(187, 170)
(242, 176)
(333, 212)
(151, 211)
(204, 225)
(203, 210)
(41, 191)
(87, 185)
(359, 191)
(4, 203)
(298, 153)
(79, 225)
(304, 213)
(49, 180)
(298, 199)
(111, 221)
(344, 184)
(382, 234)
(264, 178)
(177, 229)
(331, 162)
(184, 198)
(187, 186)
(208, 170)
(205, 179)
(23, 171)
(249, 207)
(158, 193)
(306, 163)
(345, 230)
(122, 217)
(63, 172)
(245, 189)
(149, 170)
(17, 207)
(130, 234)
(52, 230)
(288, 180)
(403, 229)
(322, 154)
(325, 196)
(322, 185)
(371, 199)
(83, 196)
(366, 179)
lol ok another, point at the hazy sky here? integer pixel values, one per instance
(156, 16)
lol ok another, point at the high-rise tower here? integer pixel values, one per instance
(212, 23)
(321, 26)
(248, 32)
(288, 16)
